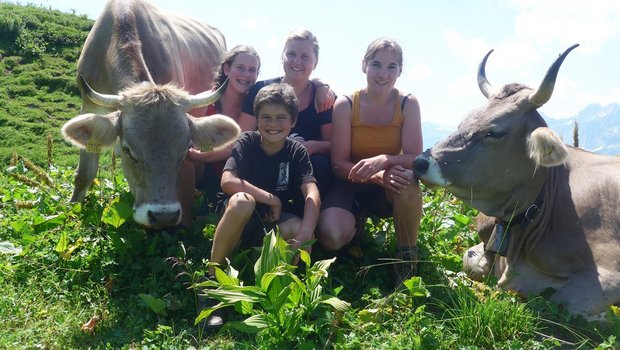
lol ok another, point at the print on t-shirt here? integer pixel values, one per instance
(283, 177)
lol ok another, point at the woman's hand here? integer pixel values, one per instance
(397, 178)
(324, 98)
(364, 170)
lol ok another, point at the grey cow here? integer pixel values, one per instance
(556, 207)
(144, 65)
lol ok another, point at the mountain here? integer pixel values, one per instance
(433, 133)
(599, 129)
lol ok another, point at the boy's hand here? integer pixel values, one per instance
(275, 210)
(301, 237)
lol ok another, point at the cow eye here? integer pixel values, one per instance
(494, 135)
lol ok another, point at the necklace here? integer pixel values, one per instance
(305, 89)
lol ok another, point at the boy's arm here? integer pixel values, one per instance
(312, 206)
(232, 184)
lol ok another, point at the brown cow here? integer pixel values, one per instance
(556, 207)
(131, 54)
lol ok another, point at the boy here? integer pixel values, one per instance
(269, 179)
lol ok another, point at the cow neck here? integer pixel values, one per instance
(542, 184)
(529, 214)
(500, 237)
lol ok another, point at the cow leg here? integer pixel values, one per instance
(85, 174)
(477, 262)
(589, 293)
(527, 280)
(485, 226)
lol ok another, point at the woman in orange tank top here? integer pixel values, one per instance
(378, 135)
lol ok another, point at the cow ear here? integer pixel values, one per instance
(88, 129)
(213, 131)
(546, 147)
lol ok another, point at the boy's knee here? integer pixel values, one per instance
(241, 204)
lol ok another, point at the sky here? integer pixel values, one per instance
(443, 42)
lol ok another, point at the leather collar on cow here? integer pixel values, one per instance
(500, 237)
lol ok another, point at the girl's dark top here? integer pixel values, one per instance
(281, 174)
(309, 121)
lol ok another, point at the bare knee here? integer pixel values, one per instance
(335, 229)
(332, 240)
(241, 205)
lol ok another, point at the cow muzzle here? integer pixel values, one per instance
(427, 170)
(158, 215)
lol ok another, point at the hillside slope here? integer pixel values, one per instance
(39, 49)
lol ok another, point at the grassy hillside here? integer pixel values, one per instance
(38, 54)
(84, 276)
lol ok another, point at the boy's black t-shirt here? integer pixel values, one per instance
(309, 121)
(281, 174)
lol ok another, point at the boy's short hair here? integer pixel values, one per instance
(280, 94)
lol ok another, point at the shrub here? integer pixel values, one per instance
(282, 308)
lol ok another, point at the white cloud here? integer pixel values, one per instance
(545, 22)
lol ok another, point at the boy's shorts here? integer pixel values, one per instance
(358, 198)
(256, 228)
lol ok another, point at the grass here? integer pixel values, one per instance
(67, 264)
(38, 55)
(77, 276)
(469, 316)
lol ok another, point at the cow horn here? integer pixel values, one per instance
(483, 83)
(110, 101)
(206, 98)
(543, 94)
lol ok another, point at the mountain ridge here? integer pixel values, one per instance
(598, 126)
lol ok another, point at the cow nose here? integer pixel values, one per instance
(420, 165)
(164, 218)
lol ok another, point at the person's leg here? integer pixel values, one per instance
(228, 231)
(289, 230)
(336, 228)
(407, 211)
(289, 226)
(187, 182)
(336, 225)
(208, 179)
(322, 169)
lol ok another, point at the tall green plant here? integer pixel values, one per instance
(281, 307)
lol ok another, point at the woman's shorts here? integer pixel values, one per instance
(366, 199)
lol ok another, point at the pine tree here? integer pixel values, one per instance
(576, 134)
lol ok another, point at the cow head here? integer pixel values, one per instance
(155, 132)
(497, 158)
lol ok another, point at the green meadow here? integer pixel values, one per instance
(84, 276)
